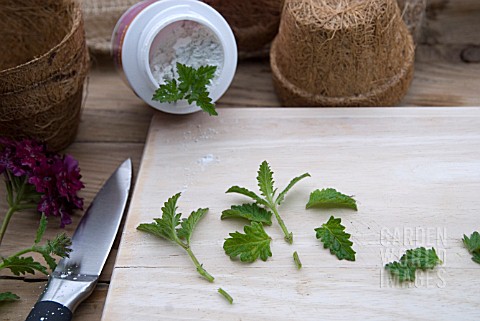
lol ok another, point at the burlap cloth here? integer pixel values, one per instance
(255, 23)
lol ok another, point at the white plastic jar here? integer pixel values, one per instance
(147, 28)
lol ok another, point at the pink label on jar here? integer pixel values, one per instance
(122, 27)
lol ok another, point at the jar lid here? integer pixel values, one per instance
(142, 35)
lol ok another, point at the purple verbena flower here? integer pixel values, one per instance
(55, 178)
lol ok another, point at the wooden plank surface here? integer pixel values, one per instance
(415, 174)
(115, 122)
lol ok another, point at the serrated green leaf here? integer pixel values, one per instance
(294, 181)
(42, 226)
(250, 246)
(188, 224)
(251, 212)
(473, 243)
(168, 92)
(60, 245)
(413, 259)
(192, 86)
(248, 193)
(23, 265)
(52, 263)
(8, 296)
(476, 258)
(265, 180)
(421, 258)
(401, 270)
(330, 198)
(334, 238)
(165, 227)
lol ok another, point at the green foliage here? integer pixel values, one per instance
(167, 227)
(333, 236)
(251, 212)
(401, 270)
(250, 246)
(8, 296)
(330, 198)
(192, 86)
(473, 245)
(20, 265)
(413, 259)
(269, 200)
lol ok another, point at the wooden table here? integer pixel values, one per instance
(115, 123)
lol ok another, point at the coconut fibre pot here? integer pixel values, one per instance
(43, 65)
(342, 53)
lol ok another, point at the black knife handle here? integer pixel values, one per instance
(49, 311)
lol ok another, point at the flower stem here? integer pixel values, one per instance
(288, 235)
(199, 266)
(5, 222)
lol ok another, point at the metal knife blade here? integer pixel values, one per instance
(75, 277)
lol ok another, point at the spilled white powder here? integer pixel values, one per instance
(186, 42)
(207, 159)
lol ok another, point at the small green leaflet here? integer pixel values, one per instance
(251, 212)
(248, 193)
(167, 227)
(330, 198)
(250, 246)
(334, 238)
(8, 296)
(265, 180)
(225, 295)
(269, 200)
(42, 226)
(421, 258)
(297, 261)
(188, 225)
(473, 245)
(413, 259)
(402, 271)
(476, 258)
(192, 86)
(19, 265)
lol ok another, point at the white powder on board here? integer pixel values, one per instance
(186, 42)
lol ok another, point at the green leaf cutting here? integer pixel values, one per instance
(402, 271)
(472, 244)
(18, 264)
(192, 85)
(167, 227)
(413, 259)
(250, 246)
(333, 236)
(330, 198)
(251, 212)
(8, 296)
(267, 190)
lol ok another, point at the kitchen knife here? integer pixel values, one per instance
(75, 277)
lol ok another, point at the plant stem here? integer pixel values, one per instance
(5, 222)
(288, 235)
(199, 266)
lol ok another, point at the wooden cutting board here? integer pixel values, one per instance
(415, 173)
